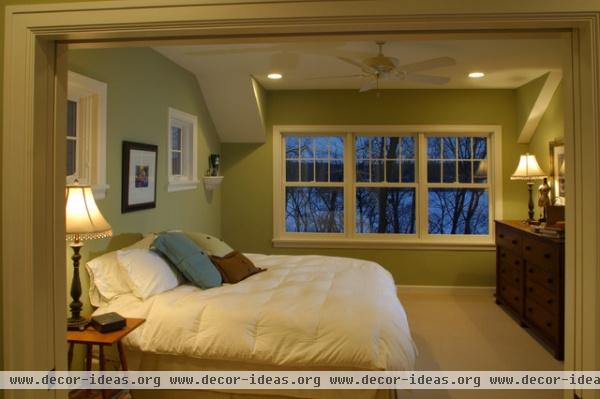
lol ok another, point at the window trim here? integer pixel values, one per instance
(281, 238)
(83, 87)
(189, 179)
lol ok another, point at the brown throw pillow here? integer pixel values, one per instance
(235, 267)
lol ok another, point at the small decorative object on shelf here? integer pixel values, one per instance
(214, 160)
(211, 182)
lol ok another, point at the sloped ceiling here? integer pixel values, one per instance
(225, 72)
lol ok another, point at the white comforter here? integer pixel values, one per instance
(304, 311)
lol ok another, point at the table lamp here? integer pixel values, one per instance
(83, 222)
(528, 169)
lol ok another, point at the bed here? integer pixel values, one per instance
(302, 313)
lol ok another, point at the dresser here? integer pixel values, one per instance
(530, 281)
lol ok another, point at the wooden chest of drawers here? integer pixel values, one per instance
(530, 281)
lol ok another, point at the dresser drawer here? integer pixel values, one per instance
(511, 295)
(546, 322)
(544, 275)
(508, 238)
(540, 252)
(510, 272)
(548, 299)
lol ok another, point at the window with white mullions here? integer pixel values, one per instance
(457, 185)
(314, 190)
(382, 185)
(182, 163)
(86, 132)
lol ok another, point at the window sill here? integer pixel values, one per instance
(383, 244)
(182, 185)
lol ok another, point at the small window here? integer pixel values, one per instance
(86, 132)
(182, 162)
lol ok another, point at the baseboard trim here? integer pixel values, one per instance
(445, 289)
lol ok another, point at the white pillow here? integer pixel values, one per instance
(107, 279)
(148, 274)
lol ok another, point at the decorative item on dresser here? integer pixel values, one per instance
(530, 281)
(529, 170)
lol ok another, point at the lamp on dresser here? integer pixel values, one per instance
(529, 170)
(83, 222)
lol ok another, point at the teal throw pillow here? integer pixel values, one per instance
(191, 260)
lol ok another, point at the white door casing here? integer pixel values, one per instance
(33, 162)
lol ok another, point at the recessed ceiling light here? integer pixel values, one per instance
(275, 76)
(476, 75)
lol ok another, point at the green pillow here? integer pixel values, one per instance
(211, 245)
(191, 261)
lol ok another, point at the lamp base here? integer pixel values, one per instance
(77, 324)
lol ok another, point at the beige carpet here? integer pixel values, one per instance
(468, 331)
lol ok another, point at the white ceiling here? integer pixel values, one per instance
(224, 70)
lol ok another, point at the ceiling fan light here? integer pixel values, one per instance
(476, 75)
(274, 76)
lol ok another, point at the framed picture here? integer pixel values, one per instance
(557, 164)
(139, 176)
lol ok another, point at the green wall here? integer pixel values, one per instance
(527, 95)
(550, 128)
(142, 84)
(248, 171)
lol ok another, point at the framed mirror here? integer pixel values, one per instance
(557, 171)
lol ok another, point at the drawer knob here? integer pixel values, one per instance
(547, 256)
(530, 270)
(501, 235)
(514, 242)
(530, 310)
(517, 262)
(549, 301)
(516, 298)
(503, 254)
(549, 324)
(530, 289)
(517, 280)
(527, 248)
(550, 281)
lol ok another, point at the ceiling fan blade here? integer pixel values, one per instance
(436, 80)
(360, 75)
(428, 64)
(365, 68)
(372, 84)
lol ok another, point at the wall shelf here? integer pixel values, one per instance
(212, 182)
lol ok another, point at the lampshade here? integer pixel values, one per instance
(84, 220)
(482, 169)
(528, 169)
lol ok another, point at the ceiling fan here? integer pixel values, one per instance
(382, 67)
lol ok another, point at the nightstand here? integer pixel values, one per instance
(91, 337)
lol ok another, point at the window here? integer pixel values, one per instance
(417, 185)
(86, 132)
(182, 155)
